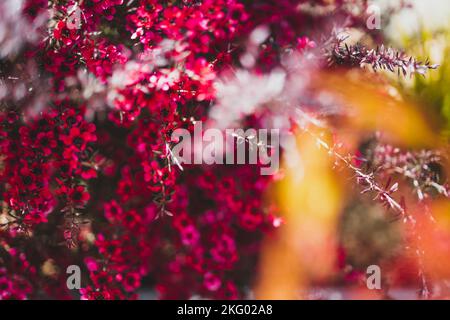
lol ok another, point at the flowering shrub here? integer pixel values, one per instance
(91, 92)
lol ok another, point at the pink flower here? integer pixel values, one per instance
(211, 281)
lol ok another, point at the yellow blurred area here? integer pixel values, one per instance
(436, 240)
(373, 108)
(305, 247)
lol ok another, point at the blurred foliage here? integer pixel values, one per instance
(433, 91)
(312, 195)
(368, 236)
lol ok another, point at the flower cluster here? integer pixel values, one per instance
(17, 275)
(47, 162)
